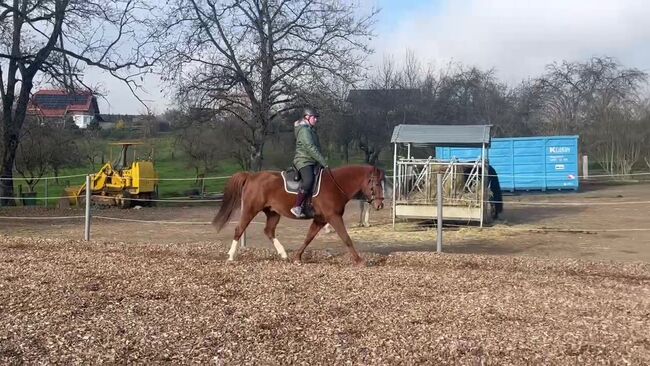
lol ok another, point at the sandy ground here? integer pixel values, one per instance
(605, 223)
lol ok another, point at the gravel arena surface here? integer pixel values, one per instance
(542, 286)
(72, 302)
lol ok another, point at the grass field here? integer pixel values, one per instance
(178, 179)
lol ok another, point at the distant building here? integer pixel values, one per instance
(61, 105)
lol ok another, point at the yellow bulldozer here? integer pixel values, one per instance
(119, 183)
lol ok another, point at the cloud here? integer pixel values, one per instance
(518, 37)
(120, 100)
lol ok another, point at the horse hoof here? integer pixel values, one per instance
(360, 263)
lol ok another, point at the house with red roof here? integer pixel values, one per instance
(61, 105)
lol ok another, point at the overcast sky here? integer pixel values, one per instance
(515, 37)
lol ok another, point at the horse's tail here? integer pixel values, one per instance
(495, 187)
(231, 199)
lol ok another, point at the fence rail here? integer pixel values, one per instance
(216, 197)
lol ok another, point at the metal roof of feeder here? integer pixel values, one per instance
(442, 135)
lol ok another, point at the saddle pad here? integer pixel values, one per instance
(291, 186)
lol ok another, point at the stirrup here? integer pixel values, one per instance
(297, 211)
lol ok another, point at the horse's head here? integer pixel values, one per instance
(374, 188)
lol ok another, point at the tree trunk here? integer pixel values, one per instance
(7, 186)
(374, 156)
(371, 154)
(257, 156)
(256, 147)
(10, 138)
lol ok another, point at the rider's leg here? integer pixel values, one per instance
(307, 180)
(307, 174)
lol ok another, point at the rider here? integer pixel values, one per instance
(307, 156)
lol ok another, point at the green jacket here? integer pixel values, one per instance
(307, 146)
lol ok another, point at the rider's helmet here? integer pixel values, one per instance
(309, 112)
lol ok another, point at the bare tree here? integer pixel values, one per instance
(44, 148)
(32, 156)
(63, 148)
(573, 95)
(249, 57)
(375, 111)
(197, 141)
(412, 76)
(469, 95)
(91, 151)
(51, 41)
(599, 100)
(149, 126)
(619, 145)
(205, 139)
(453, 94)
(645, 124)
(410, 93)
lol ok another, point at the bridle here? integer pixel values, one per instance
(372, 182)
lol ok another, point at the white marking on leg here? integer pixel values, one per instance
(365, 221)
(278, 246)
(233, 250)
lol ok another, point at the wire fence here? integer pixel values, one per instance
(215, 197)
(388, 173)
(209, 197)
(200, 195)
(545, 229)
(509, 202)
(163, 222)
(198, 192)
(182, 199)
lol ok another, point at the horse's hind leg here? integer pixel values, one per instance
(339, 226)
(272, 219)
(313, 230)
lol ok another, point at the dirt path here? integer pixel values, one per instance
(615, 228)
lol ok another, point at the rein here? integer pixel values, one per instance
(372, 182)
(335, 182)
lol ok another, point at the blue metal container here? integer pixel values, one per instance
(527, 163)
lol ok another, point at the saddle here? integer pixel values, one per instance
(291, 178)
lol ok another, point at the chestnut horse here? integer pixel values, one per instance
(264, 191)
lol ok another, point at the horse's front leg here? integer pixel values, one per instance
(338, 225)
(247, 215)
(315, 227)
(272, 219)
